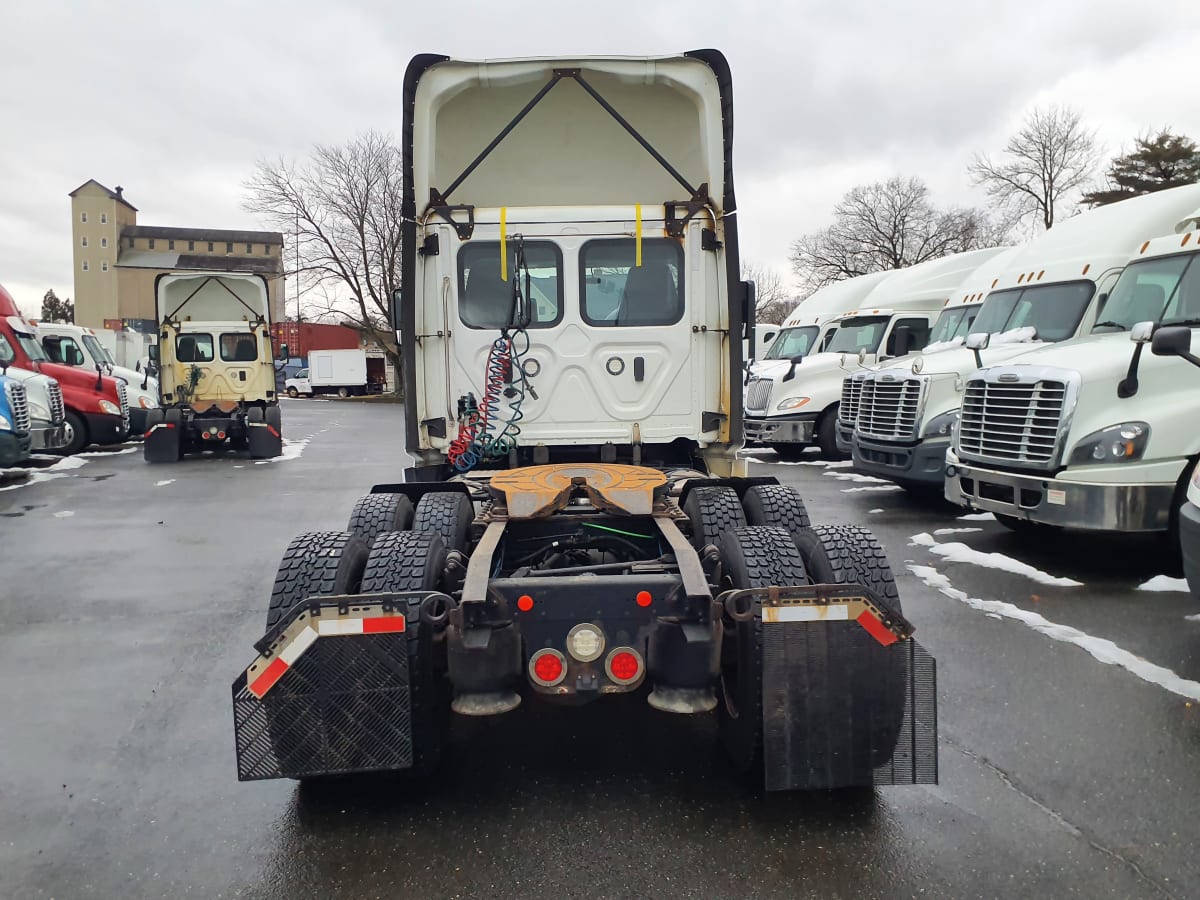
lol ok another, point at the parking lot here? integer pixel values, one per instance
(132, 594)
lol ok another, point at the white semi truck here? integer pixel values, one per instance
(1047, 291)
(217, 374)
(576, 522)
(793, 409)
(74, 345)
(1095, 433)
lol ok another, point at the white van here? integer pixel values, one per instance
(1095, 433)
(796, 407)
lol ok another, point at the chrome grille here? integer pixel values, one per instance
(758, 395)
(58, 411)
(848, 408)
(888, 407)
(123, 397)
(1012, 423)
(19, 404)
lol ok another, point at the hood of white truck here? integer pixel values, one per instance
(37, 391)
(818, 377)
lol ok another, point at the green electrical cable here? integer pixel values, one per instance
(644, 537)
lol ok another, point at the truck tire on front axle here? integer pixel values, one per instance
(317, 564)
(448, 513)
(377, 514)
(865, 709)
(713, 511)
(414, 561)
(752, 556)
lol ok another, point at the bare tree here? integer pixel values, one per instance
(772, 300)
(888, 225)
(343, 206)
(1050, 158)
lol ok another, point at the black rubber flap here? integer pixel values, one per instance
(841, 710)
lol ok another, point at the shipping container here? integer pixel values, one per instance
(304, 337)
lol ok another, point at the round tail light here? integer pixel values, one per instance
(547, 667)
(624, 665)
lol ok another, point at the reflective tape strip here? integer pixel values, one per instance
(384, 625)
(805, 613)
(267, 679)
(273, 431)
(331, 627)
(302, 642)
(868, 620)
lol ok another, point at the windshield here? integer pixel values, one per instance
(1165, 290)
(953, 323)
(1052, 310)
(96, 349)
(863, 333)
(792, 342)
(7, 353)
(31, 347)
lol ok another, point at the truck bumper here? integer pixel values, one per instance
(48, 437)
(13, 448)
(921, 464)
(781, 429)
(137, 420)
(1189, 540)
(1068, 504)
(844, 438)
(104, 429)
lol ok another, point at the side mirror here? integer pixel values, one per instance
(903, 340)
(76, 357)
(978, 340)
(283, 351)
(1173, 340)
(1143, 332)
(862, 355)
(152, 352)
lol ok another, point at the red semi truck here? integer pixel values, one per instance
(97, 409)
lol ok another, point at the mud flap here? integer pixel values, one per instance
(849, 698)
(162, 443)
(263, 440)
(330, 691)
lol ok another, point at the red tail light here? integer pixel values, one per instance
(547, 667)
(624, 665)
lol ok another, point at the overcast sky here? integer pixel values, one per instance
(176, 101)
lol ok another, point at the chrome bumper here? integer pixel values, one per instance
(1069, 504)
(48, 437)
(780, 430)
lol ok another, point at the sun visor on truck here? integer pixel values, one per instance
(211, 298)
(567, 148)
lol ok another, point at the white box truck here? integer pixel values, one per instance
(1094, 433)
(796, 408)
(341, 372)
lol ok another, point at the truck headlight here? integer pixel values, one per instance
(109, 407)
(1117, 443)
(5, 425)
(144, 403)
(943, 425)
(792, 403)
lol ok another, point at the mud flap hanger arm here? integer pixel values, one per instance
(438, 200)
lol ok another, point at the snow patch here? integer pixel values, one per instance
(977, 517)
(874, 510)
(1101, 649)
(164, 482)
(1164, 583)
(101, 453)
(956, 552)
(64, 514)
(854, 476)
(1022, 335)
(955, 530)
(937, 346)
(58, 470)
(877, 487)
(291, 450)
(1195, 618)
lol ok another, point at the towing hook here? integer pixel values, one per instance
(739, 606)
(435, 611)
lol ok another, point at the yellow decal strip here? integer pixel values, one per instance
(637, 234)
(503, 245)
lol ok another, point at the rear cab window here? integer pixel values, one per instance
(194, 348)
(239, 348)
(486, 301)
(617, 292)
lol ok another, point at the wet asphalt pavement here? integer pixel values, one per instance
(130, 596)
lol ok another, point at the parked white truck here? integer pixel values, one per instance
(341, 372)
(1094, 433)
(1047, 291)
(811, 324)
(74, 345)
(47, 413)
(793, 409)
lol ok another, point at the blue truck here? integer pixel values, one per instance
(14, 420)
